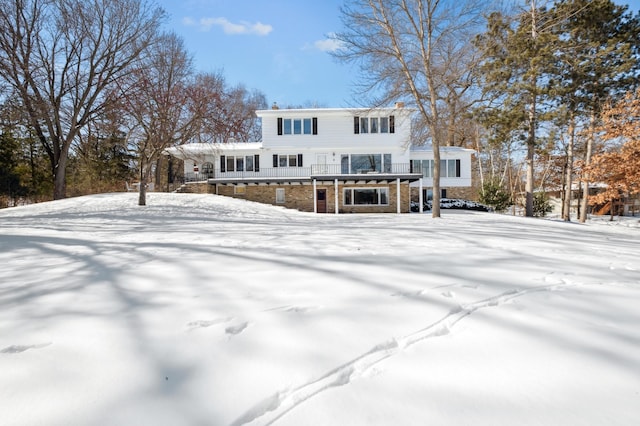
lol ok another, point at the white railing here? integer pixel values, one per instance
(296, 172)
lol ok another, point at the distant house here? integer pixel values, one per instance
(326, 160)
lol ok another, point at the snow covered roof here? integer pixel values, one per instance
(429, 148)
(183, 151)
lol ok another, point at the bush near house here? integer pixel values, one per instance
(453, 203)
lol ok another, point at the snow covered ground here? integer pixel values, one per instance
(204, 310)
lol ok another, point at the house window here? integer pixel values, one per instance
(374, 124)
(207, 169)
(287, 160)
(365, 163)
(448, 168)
(231, 163)
(386, 163)
(287, 126)
(280, 196)
(297, 126)
(364, 125)
(366, 196)
(384, 124)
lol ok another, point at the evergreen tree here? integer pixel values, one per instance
(596, 60)
(517, 54)
(495, 195)
(10, 185)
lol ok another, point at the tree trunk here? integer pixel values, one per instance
(145, 172)
(529, 182)
(566, 207)
(435, 202)
(531, 143)
(142, 195)
(59, 178)
(585, 177)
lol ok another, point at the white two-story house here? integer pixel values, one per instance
(327, 160)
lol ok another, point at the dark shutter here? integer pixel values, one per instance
(356, 125)
(256, 163)
(279, 126)
(411, 166)
(392, 124)
(223, 163)
(299, 160)
(457, 168)
(275, 160)
(314, 125)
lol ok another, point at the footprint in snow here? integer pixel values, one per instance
(207, 323)
(16, 349)
(448, 294)
(295, 309)
(408, 293)
(232, 330)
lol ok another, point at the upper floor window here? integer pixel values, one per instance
(448, 168)
(297, 126)
(287, 160)
(374, 124)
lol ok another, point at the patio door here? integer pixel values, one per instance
(321, 200)
(321, 164)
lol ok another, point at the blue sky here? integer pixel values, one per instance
(278, 47)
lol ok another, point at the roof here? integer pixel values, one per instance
(429, 148)
(333, 111)
(183, 151)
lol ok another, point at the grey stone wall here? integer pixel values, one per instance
(300, 196)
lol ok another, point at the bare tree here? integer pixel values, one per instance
(60, 57)
(230, 114)
(165, 106)
(417, 51)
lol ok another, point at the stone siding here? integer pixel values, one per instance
(300, 196)
(196, 188)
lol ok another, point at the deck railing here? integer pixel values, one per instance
(315, 170)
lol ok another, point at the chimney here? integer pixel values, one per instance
(275, 106)
(399, 104)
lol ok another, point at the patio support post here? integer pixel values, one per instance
(420, 197)
(315, 197)
(398, 207)
(335, 184)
